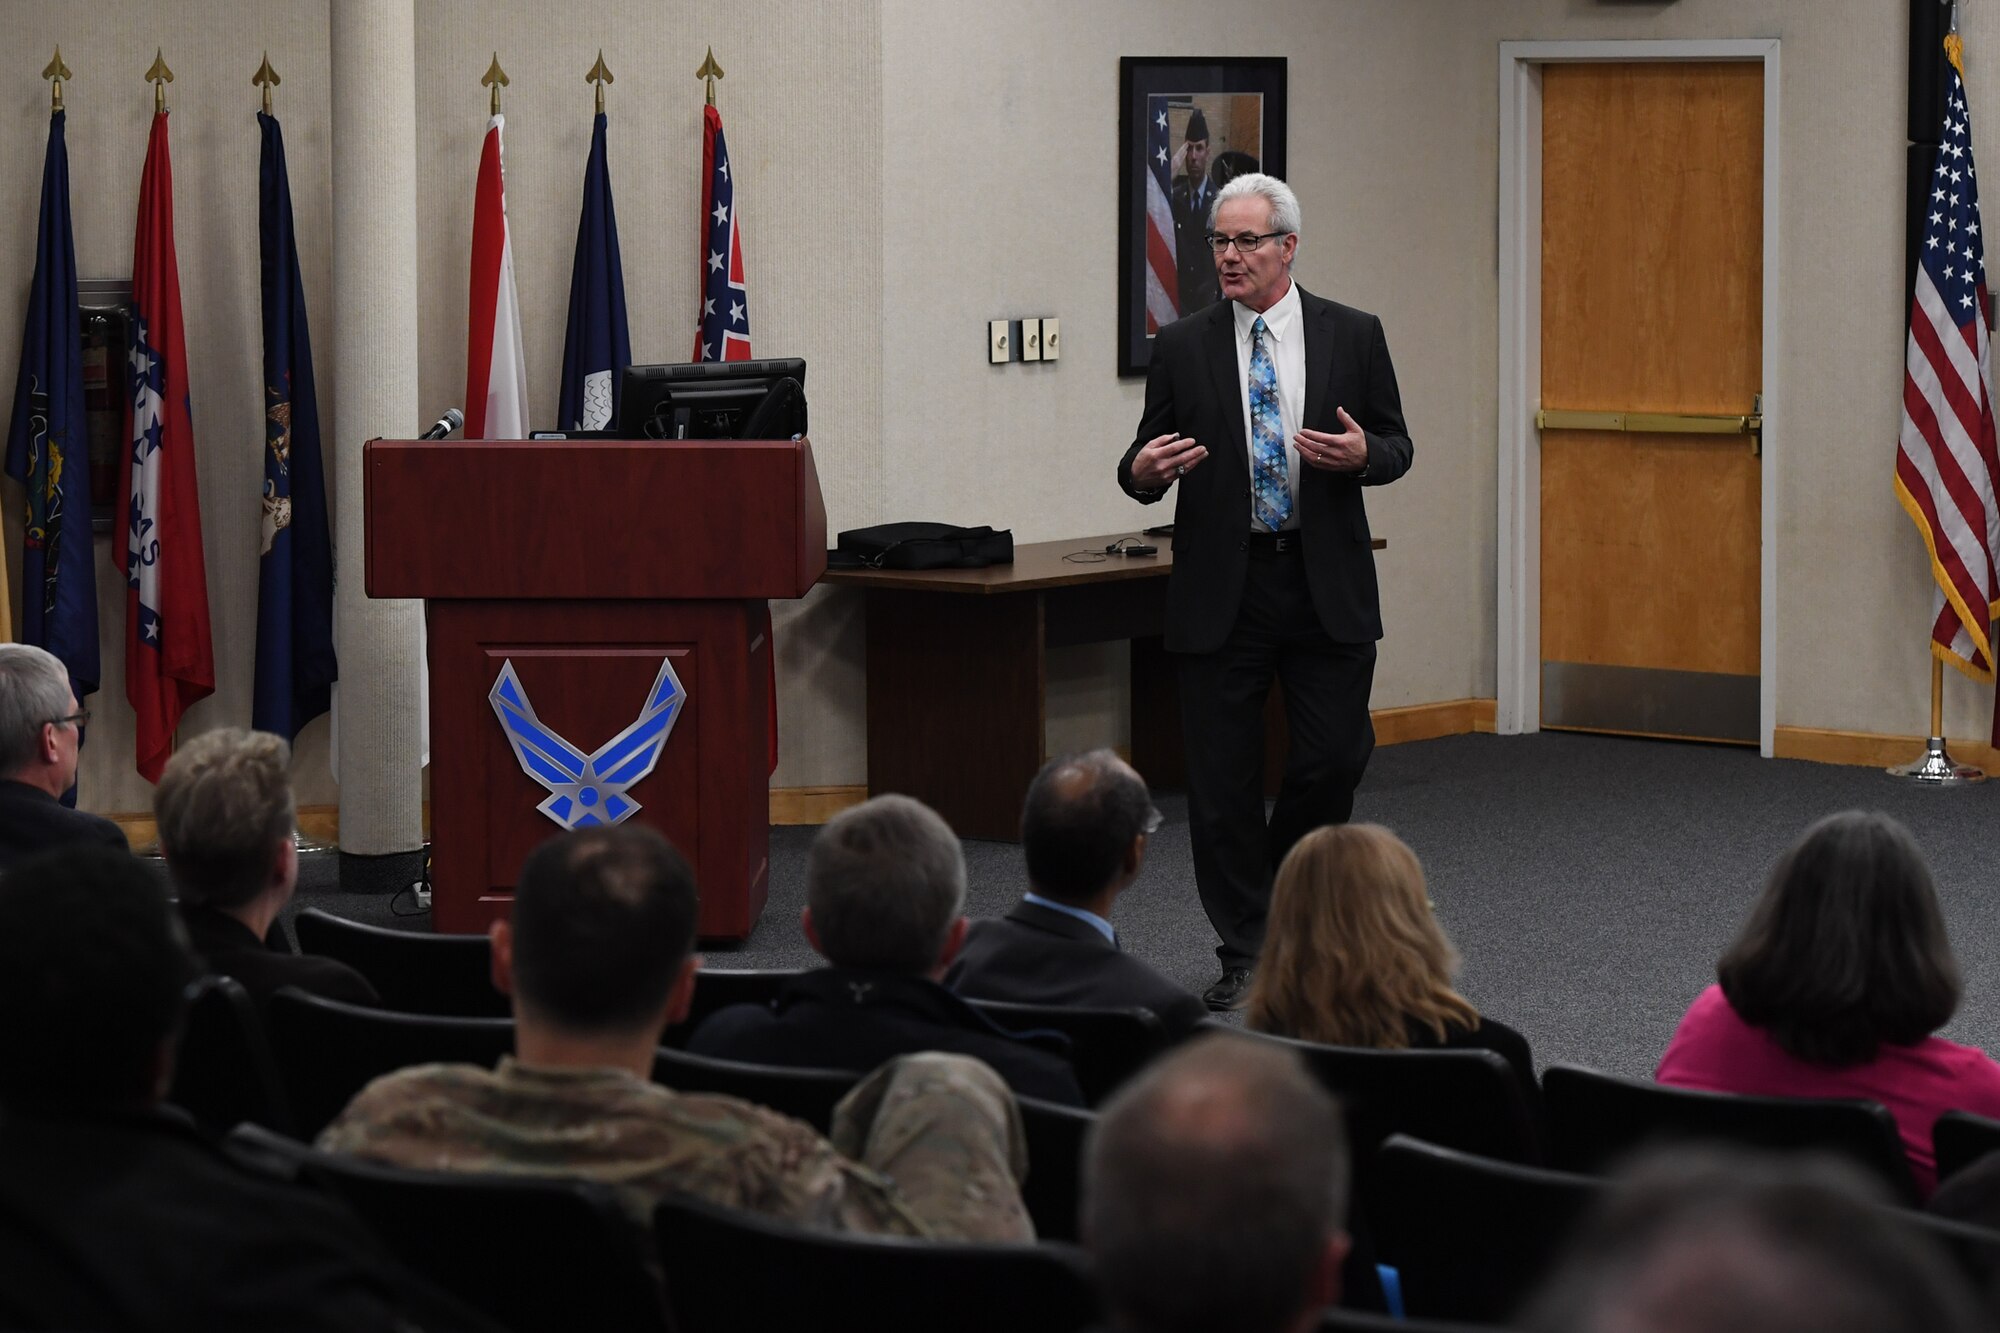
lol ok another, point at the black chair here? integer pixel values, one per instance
(327, 1051)
(729, 1270)
(1363, 1321)
(413, 971)
(1960, 1138)
(1106, 1046)
(1054, 1186)
(1596, 1120)
(535, 1254)
(804, 1094)
(225, 1075)
(719, 987)
(1470, 1237)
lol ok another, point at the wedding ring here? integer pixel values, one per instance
(1180, 469)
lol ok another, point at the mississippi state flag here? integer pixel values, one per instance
(496, 373)
(722, 331)
(169, 659)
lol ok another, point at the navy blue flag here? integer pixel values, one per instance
(597, 348)
(48, 443)
(296, 667)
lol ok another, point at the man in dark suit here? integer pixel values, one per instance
(228, 831)
(1190, 195)
(885, 885)
(1272, 409)
(41, 726)
(1084, 827)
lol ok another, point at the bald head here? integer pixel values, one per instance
(1215, 1192)
(1080, 826)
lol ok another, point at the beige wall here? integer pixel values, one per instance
(910, 170)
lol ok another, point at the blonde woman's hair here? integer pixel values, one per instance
(1352, 955)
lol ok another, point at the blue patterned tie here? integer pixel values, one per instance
(1271, 487)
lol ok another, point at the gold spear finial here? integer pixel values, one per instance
(267, 79)
(496, 79)
(55, 72)
(600, 74)
(711, 71)
(159, 76)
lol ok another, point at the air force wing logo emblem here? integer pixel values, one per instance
(588, 789)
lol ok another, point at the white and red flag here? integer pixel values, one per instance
(1945, 459)
(722, 329)
(169, 655)
(496, 372)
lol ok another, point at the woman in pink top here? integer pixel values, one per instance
(1834, 987)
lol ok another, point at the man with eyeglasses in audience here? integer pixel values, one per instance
(1271, 409)
(1084, 827)
(41, 726)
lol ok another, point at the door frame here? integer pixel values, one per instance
(1519, 706)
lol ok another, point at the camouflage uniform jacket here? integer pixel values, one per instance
(605, 1125)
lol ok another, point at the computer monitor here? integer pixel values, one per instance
(715, 400)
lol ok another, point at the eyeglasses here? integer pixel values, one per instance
(1153, 820)
(1245, 244)
(79, 718)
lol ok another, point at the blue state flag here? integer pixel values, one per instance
(597, 347)
(48, 443)
(296, 666)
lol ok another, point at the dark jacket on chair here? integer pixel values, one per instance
(33, 821)
(1035, 955)
(847, 1018)
(231, 949)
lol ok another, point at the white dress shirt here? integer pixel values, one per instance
(1285, 337)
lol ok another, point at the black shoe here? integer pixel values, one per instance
(1230, 991)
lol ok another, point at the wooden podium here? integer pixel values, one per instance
(585, 564)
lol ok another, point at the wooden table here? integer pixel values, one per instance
(958, 679)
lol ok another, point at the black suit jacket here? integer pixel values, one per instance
(1037, 956)
(1193, 387)
(232, 949)
(33, 821)
(847, 1018)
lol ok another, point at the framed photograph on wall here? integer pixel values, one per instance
(1185, 128)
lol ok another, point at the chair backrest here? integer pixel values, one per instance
(327, 1051)
(538, 1255)
(1597, 1119)
(1106, 1046)
(413, 971)
(729, 1270)
(1363, 1321)
(1471, 1100)
(225, 1074)
(1470, 1237)
(804, 1094)
(1960, 1138)
(1054, 1187)
(719, 987)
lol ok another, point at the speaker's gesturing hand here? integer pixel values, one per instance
(1344, 452)
(1164, 460)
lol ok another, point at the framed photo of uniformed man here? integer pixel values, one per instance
(1185, 129)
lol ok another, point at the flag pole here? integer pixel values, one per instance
(1935, 766)
(710, 71)
(600, 74)
(496, 79)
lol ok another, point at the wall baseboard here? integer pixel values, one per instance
(816, 805)
(1869, 749)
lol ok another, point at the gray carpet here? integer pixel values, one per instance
(1589, 882)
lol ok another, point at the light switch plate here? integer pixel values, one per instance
(998, 345)
(1031, 340)
(1051, 339)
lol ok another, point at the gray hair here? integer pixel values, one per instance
(884, 882)
(1284, 204)
(224, 808)
(34, 691)
(1212, 1185)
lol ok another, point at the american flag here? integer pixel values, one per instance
(1163, 294)
(722, 332)
(1946, 462)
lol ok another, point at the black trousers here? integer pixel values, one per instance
(1236, 849)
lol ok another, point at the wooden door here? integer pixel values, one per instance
(1652, 303)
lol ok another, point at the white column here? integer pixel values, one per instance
(375, 394)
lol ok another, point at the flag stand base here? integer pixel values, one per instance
(1936, 768)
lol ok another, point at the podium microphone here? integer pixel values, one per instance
(445, 425)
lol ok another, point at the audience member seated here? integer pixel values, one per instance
(1727, 1242)
(1835, 986)
(597, 961)
(1353, 956)
(41, 724)
(1215, 1194)
(885, 882)
(228, 831)
(1083, 834)
(115, 1214)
